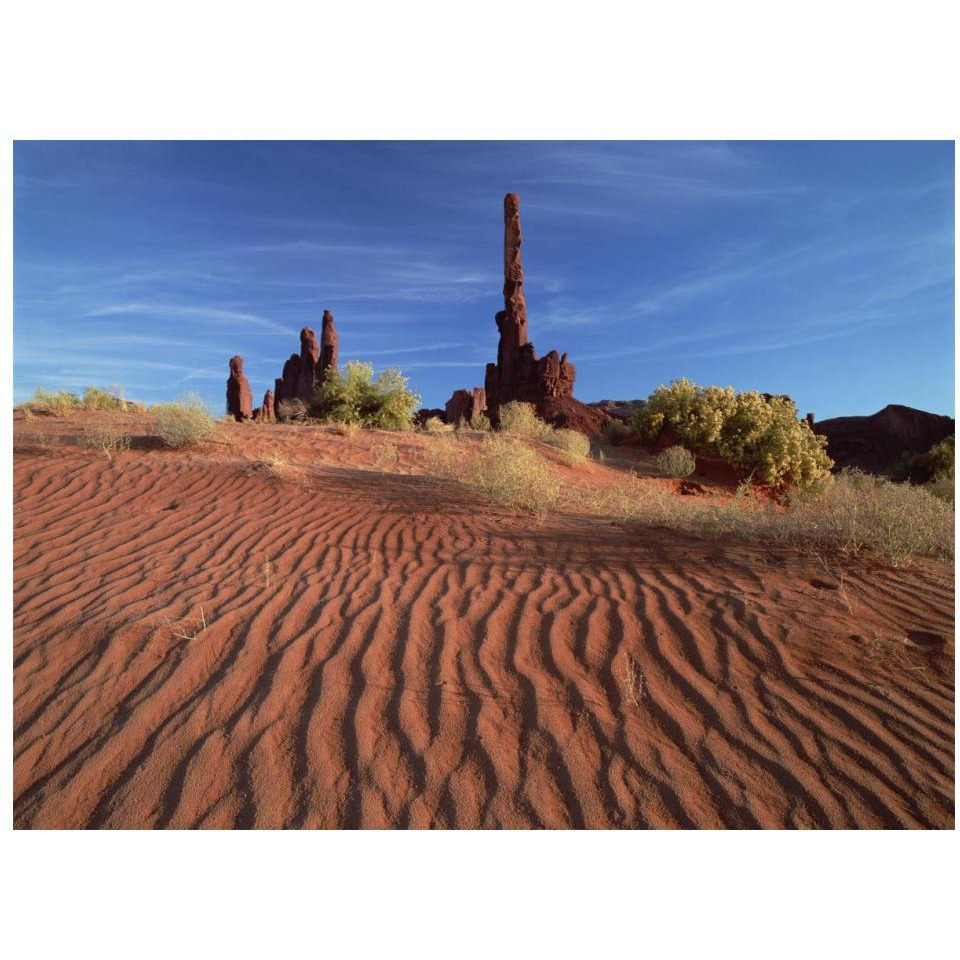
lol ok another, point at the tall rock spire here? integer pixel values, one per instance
(329, 347)
(518, 374)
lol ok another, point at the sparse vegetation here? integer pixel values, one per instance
(57, 404)
(745, 428)
(632, 680)
(573, 443)
(386, 457)
(108, 438)
(184, 422)
(436, 425)
(291, 411)
(616, 431)
(521, 420)
(95, 398)
(934, 469)
(481, 423)
(64, 402)
(354, 396)
(675, 462)
(853, 513)
(344, 429)
(277, 466)
(506, 471)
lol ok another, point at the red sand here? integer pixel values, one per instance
(383, 651)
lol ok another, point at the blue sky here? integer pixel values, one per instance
(824, 270)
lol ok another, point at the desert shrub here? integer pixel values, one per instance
(943, 487)
(745, 428)
(345, 429)
(675, 462)
(436, 425)
(106, 438)
(184, 422)
(291, 411)
(386, 457)
(57, 404)
(934, 464)
(616, 431)
(481, 422)
(857, 511)
(94, 398)
(354, 396)
(521, 420)
(505, 471)
(853, 512)
(573, 443)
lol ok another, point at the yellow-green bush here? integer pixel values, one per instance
(573, 443)
(745, 428)
(352, 395)
(436, 425)
(481, 422)
(184, 422)
(521, 420)
(675, 462)
(506, 471)
(94, 398)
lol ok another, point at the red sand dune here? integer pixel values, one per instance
(380, 650)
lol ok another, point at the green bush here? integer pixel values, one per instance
(353, 396)
(521, 420)
(675, 462)
(936, 463)
(744, 428)
(184, 422)
(573, 443)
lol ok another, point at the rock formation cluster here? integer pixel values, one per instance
(303, 373)
(465, 405)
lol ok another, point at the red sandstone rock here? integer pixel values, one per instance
(465, 405)
(239, 396)
(518, 374)
(267, 412)
(307, 370)
(329, 347)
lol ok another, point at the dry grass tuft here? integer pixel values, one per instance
(506, 471)
(108, 438)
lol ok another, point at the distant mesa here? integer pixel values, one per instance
(875, 443)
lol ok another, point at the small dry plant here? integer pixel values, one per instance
(107, 438)
(198, 631)
(386, 458)
(632, 680)
(436, 425)
(345, 429)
